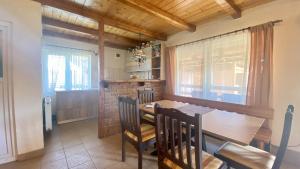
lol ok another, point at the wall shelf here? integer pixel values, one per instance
(155, 57)
(153, 68)
(156, 63)
(138, 71)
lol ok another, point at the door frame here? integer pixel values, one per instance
(7, 61)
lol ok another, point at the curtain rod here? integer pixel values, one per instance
(239, 30)
(70, 48)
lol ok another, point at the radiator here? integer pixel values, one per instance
(48, 114)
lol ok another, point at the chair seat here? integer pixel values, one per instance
(208, 161)
(147, 131)
(149, 117)
(246, 156)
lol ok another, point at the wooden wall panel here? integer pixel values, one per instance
(76, 105)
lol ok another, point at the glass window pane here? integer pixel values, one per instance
(189, 71)
(214, 69)
(56, 72)
(80, 71)
(66, 69)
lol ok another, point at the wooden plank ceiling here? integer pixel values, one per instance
(139, 19)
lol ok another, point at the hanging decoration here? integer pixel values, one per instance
(138, 53)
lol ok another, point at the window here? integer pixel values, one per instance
(66, 69)
(56, 72)
(214, 69)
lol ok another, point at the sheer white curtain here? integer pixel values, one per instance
(80, 65)
(190, 67)
(214, 69)
(65, 69)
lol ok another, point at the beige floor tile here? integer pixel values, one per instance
(28, 164)
(76, 149)
(59, 164)
(90, 141)
(53, 147)
(71, 142)
(87, 165)
(102, 163)
(53, 156)
(133, 162)
(77, 159)
(121, 165)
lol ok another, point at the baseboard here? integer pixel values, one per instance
(74, 120)
(30, 155)
(291, 156)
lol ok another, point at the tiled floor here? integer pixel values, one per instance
(76, 146)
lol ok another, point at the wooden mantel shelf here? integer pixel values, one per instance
(141, 82)
(131, 81)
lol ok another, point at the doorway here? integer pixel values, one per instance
(7, 151)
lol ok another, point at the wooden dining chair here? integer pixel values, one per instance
(138, 134)
(245, 157)
(145, 96)
(173, 135)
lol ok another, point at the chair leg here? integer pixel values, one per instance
(140, 157)
(261, 145)
(228, 166)
(268, 147)
(123, 148)
(204, 148)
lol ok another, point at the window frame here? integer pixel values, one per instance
(207, 72)
(67, 53)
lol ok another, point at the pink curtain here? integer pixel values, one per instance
(170, 65)
(261, 61)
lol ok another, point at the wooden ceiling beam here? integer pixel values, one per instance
(95, 32)
(154, 10)
(230, 7)
(107, 43)
(69, 36)
(62, 24)
(95, 15)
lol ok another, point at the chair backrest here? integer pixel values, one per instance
(285, 137)
(173, 134)
(145, 95)
(129, 114)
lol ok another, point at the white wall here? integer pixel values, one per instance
(27, 85)
(114, 66)
(286, 83)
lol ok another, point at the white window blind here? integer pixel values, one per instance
(214, 69)
(66, 69)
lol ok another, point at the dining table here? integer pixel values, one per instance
(223, 125)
